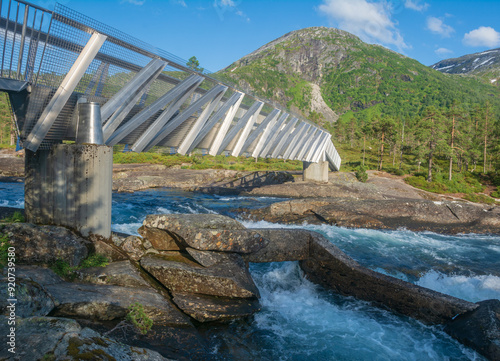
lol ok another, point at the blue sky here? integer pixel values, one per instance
(219, 32)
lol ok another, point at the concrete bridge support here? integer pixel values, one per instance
(70, 185)
(317, 172)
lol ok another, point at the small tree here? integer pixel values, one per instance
(194, 64)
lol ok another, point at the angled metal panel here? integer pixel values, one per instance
(305, 143)
(238, 148)
(283, 137)
(125, 99)
(233, 132)
(233, 102)
(198, 125)
(267, 140)
(311, 147)
(187, 85)
(179, 119)
(294, 138)
(332, 156)
(321, 148)
(226, 123)
(263, 126)
(64, 91)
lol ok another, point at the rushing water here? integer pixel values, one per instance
(300, 320)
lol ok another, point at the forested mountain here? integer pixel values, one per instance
(370, 97)
(485, 65)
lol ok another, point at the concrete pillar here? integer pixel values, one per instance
(316, 172)
(70, 185)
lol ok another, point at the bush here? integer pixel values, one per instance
(361, 174)
(16, 217)
(461, 183)
(479, 198)
(63, 269)
(4, 250)
(137, 317)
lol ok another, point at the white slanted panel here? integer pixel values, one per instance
(198, 125)
(283, 137)
(266, 141)
(320, 151)
(273, 122)
(68, 85)
(118, 107)
(181, 96)
(226, 123)
(173, 123)
(230, 107)
(263, 126)
(294, 139)
(311, 148)
(188, 85)
(231, 134)
(305, 143)
(332, 156)
(238, 147)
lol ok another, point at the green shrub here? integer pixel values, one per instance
(479, 198)
(94, 260)
(63, 268)
(4, 249)
(137, 317)
(467, 183)
(16, 217)
(361, 174)
(496, 194)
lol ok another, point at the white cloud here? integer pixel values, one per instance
(415, 5)
(371, 21)
(180, 2)
(443, 51)
(483, 36)
(228, 3)
(134, 2)
(437, 26)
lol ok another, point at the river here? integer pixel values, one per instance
(302, 321)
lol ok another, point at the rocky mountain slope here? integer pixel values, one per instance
(324, 73)
(485, 65)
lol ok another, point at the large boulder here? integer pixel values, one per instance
(205, 308)
(45, 244)
(160, 240)
(228, 278)
(31, 299)
(329, 266)
(479, 329)
(207, 232)
(50, 338)
(122, 273)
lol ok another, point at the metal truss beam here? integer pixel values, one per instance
(294, 138)
(238, 147)
(118, 107)
(187, 86)
(233, 132)
(182, 117)
(266, 124)
(320, 151)
(198, 125)
(68, 85)
(305, 142)
(313, 144)
(283, 137)
(267, 140)
(229, 107)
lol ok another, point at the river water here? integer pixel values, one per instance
(302, 321)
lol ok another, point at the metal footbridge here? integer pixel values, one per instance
(51, 61)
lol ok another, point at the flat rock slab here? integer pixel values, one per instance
(209, 258)
(51, 338)
(208, 232)
(333, 269)
(45, 244)
(121, 273)
(205, 308)
(284, 245)
(160, 240)
(226, 279)
(479, 329)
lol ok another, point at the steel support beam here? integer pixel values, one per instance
(304, 144)
(182, 117)
(283, 137)
(294, 139)
(238, 147)
(266, 141)
(187, 86)
(313, 144)
(64, 91)
(266, 123)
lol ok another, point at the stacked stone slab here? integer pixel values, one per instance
(200, 261)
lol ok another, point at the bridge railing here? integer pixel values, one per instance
(148, 97)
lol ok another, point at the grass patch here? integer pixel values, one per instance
(467, 183)
(16, 217)
(479, 198)
(4, 249)
(63, 268)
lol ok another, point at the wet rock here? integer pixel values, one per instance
(180, 275)
(133, 247)
(208, 232)
(50, 338)
(284, 245)
(479, 329)
(121, 273)
(159, 239)
(333, 269)
(45, 244)
(205, 308)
